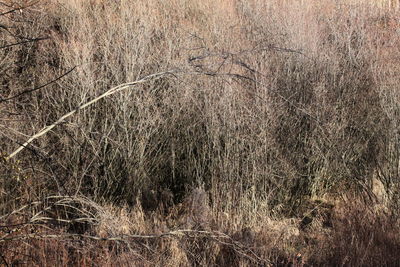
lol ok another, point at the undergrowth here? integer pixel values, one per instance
(268, 136)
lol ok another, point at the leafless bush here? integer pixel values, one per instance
(274, 110)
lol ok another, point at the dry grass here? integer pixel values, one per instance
(276, 130)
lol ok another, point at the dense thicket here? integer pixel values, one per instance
(272, 138)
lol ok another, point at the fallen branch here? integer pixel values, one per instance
(108, 93)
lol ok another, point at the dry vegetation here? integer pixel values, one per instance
(269, 135)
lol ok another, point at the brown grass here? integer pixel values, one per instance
(274, 142)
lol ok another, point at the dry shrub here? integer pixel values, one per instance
(360, 237)
(272, 105)
(296, 99)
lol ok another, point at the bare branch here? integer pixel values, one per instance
(108, 93)
(24, 42)
(37, 88)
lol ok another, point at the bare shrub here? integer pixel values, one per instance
(277, 113)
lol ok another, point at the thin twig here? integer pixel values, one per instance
(37, 88)
(24, 42)
(19, 8)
